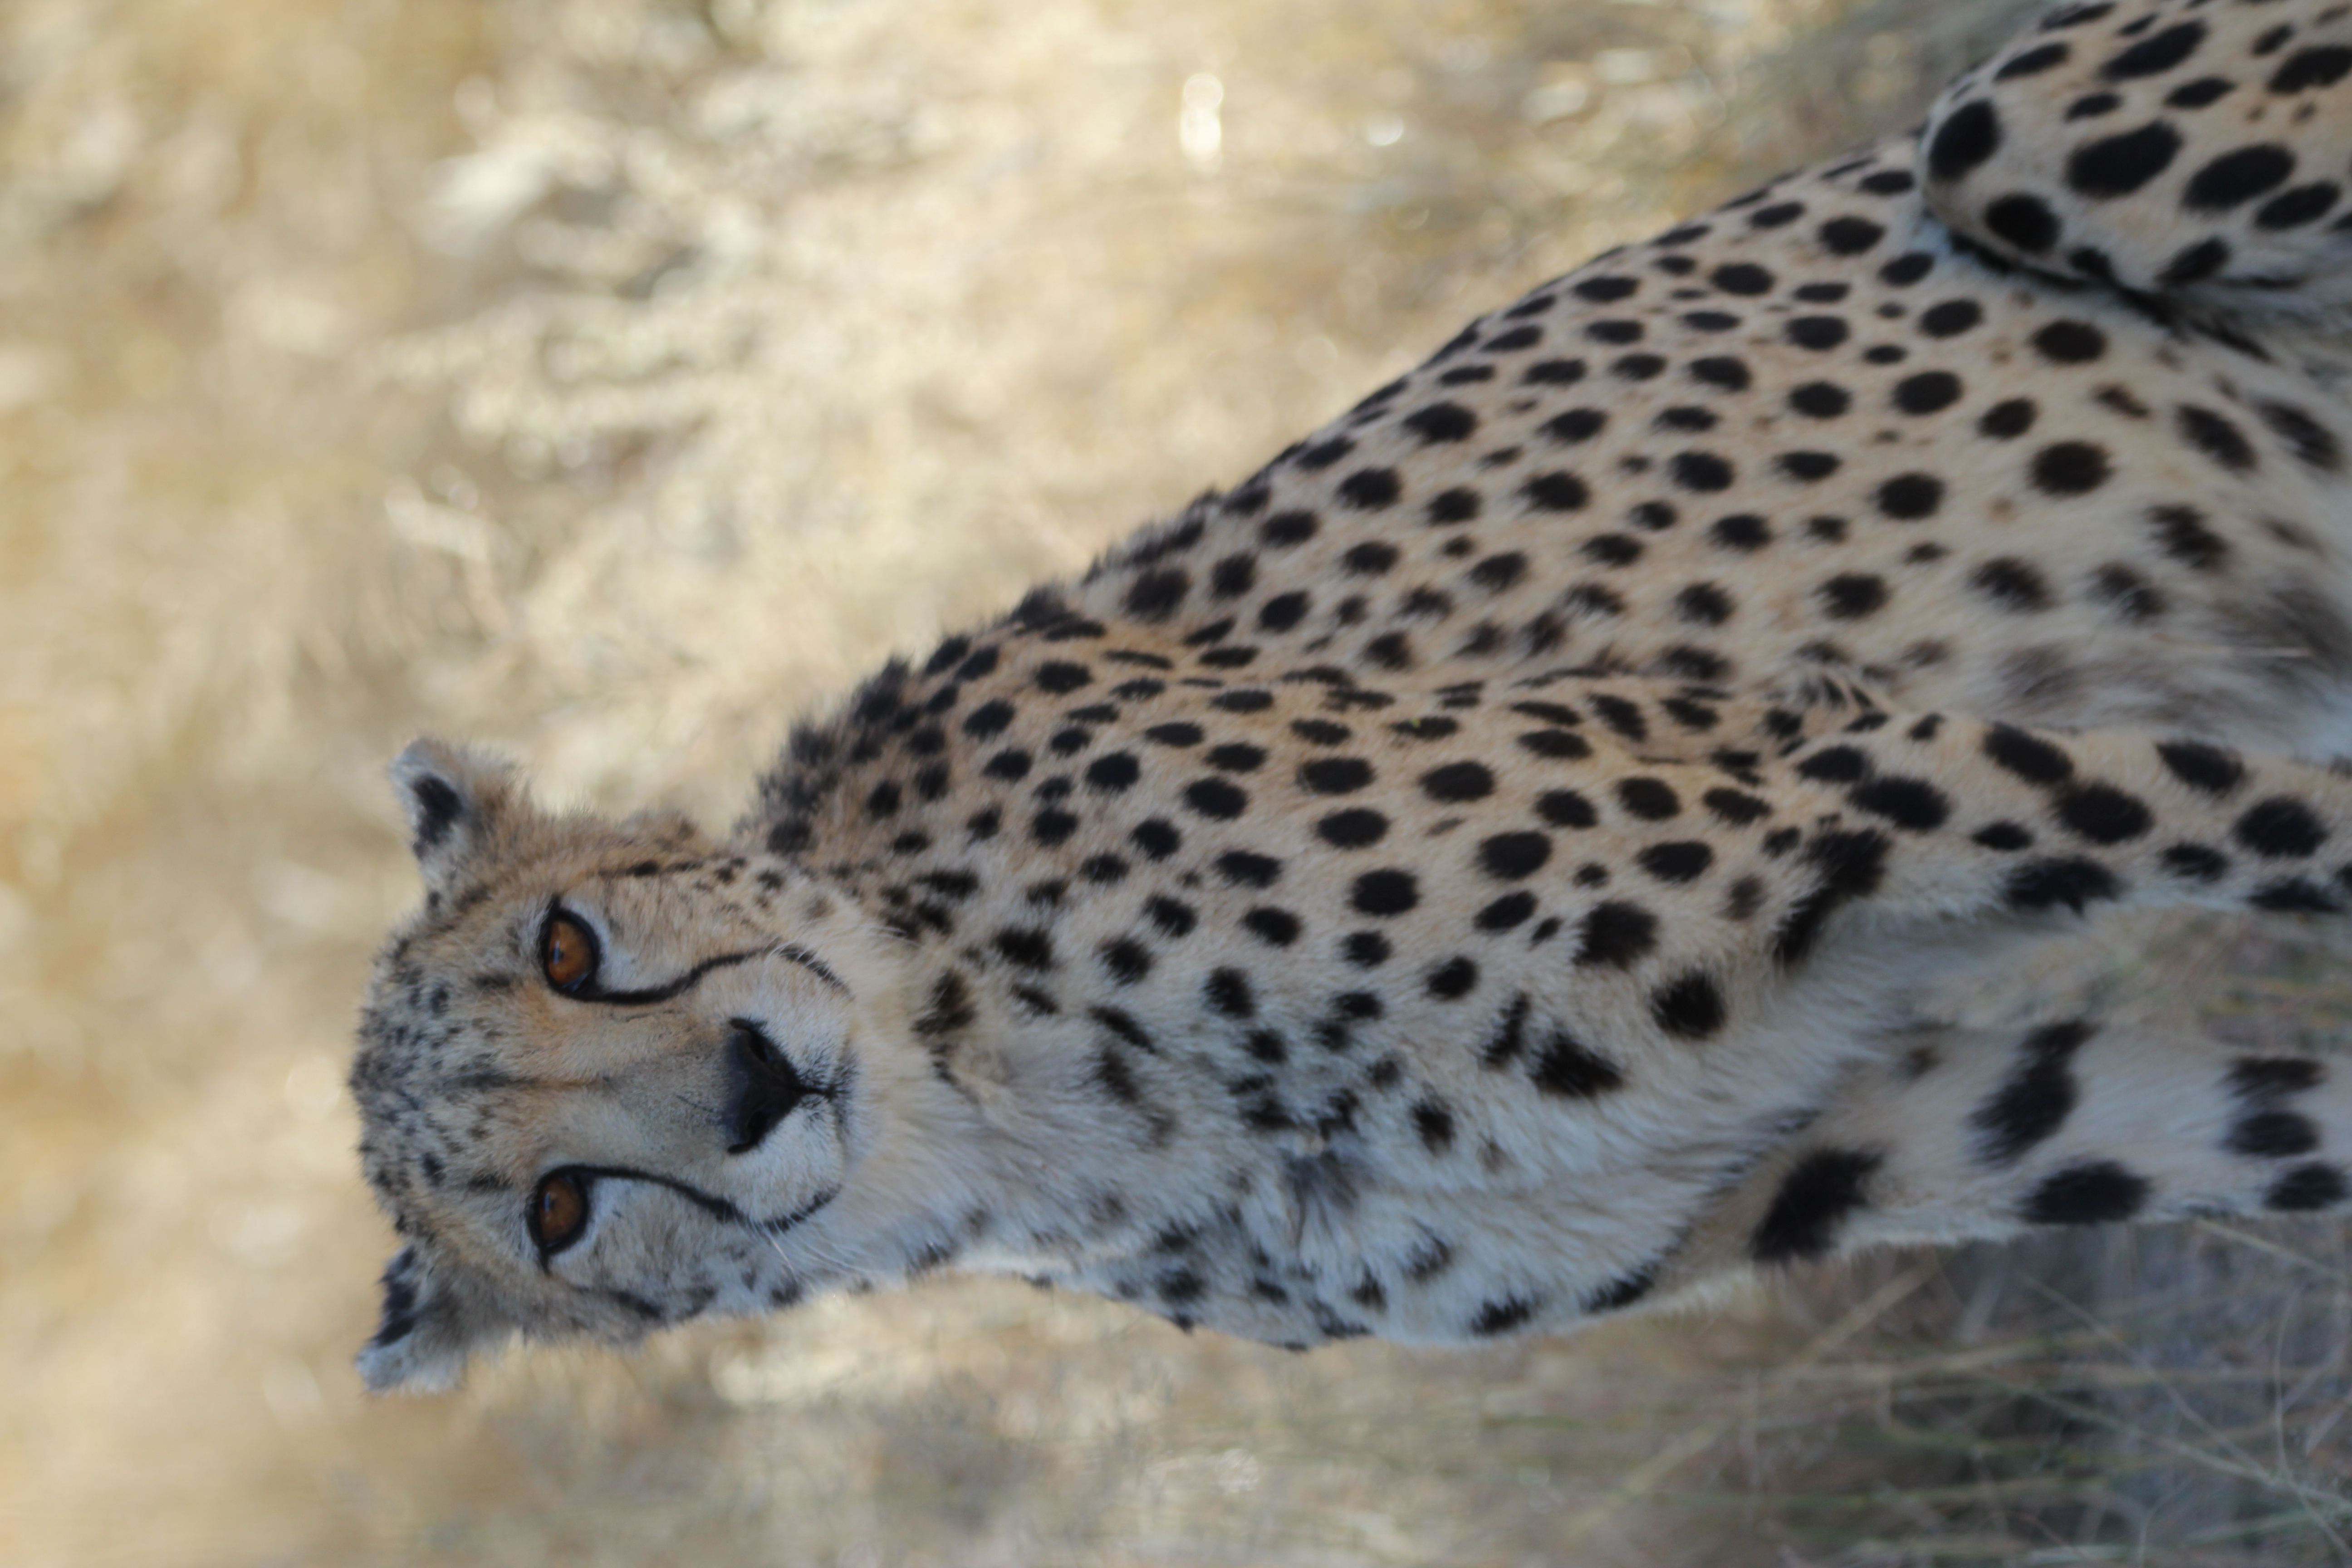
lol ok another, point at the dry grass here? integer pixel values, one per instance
(613, 379)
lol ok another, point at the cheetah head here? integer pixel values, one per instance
(613, 1076)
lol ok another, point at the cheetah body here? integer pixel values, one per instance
(1472, 875)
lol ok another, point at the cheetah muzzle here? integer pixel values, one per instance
(1477, 874)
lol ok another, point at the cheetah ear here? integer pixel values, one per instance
(427, 1333)
(456, 799)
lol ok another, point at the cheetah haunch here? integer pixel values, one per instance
(1469, 877)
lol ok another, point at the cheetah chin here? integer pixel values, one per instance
(1483, 872)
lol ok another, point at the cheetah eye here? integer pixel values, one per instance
(567, 953)
(558, 1212)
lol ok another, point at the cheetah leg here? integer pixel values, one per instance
(1962, 1135)
(1945, 820)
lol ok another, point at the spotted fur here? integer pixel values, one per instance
(1471, 877)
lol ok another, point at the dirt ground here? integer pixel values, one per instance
(611, 380)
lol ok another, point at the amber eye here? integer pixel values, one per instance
(567, 952)
(559, 1210)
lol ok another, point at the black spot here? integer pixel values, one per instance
(1703, 604)
(2312, 443)
(1386, 892)
(2070, 468)
(1558, 745)
(1950, 319)
(1434, 1122)
(1701, 471)
(1228, 991)
(2155, 55)
(1557, 492)
(2303, 205)
(1452, 980)
(1156, 595)
(2323, 65)
(1278, 928)
(1157, 839)
(1127, 960)
(1026, 947)
(2035, 1101)
(1501, 1316)
(1743, 278)
(1929, 392)
(1808, 466)
(1852, 594)
(2074, 883)
(1243, 869)
(2281, 827)
(1732, 807)
(1060, 676)
(1441, 422)
(1911, 266)
(1617, 934)
(1217, 798)
(1114, 773)
(1356, 828)
(1907, 498)
(2007, 420)
(1287, 530)
(1678, 862)
(1812, 1201)
(2181, 533)
(2011, 583)
(1969, 136)
(2312, 1185)
(1816, 332)
(1743, 531)
(1514, 856)
(1908, 803)
(1850, 866)
(1651, 800)
(2207, 769)
(1821, 400)
(1566, 1066)
(1235, 757)
(2033, 61)
(1622, 1292)
(2215, 437)
(2093, 1192)
(2103, 814)
(2069, 343)
(1849, 235)
(2199, 93)
(2235, 178)
(1566, 808)
(2195, 263)
(2273, 1135)
(2025, 222)
(1834, 764)
(1282, 612)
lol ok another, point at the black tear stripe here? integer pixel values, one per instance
(693, 977)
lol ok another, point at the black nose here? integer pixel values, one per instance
(762, 1087)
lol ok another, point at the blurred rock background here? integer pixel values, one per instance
(613, 379)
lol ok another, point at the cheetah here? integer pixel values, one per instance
(1478, 875)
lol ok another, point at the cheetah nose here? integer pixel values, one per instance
(762, 1087)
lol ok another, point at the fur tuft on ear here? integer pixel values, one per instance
(427, 1333)
(455, 799)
